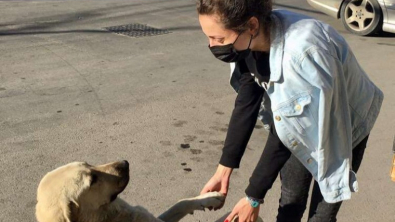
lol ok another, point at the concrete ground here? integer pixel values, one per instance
(69, 90)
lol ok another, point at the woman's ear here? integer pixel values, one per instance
(253, 26)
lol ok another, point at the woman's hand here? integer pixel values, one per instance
(219, 182)
(244, 211)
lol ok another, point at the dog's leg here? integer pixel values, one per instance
(188, 206)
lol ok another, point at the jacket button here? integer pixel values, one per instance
(294, 143)
(278, 118)
(298, 107)
(309, 160)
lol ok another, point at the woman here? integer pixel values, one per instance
(322, 106)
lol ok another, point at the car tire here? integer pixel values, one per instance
(361, 17)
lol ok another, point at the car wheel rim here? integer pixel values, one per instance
(359, 15)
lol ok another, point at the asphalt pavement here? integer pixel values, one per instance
(70, 90)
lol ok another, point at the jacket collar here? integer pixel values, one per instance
(276, 48)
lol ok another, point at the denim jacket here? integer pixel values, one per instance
(322, 102)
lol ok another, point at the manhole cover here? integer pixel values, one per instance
(136, 30)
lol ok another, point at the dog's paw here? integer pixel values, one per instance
(214, 194)
(210, 200)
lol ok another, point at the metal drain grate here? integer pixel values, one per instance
(137, 30)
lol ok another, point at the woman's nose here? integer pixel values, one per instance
(211, 43)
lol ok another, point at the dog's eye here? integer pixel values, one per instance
(93, 179)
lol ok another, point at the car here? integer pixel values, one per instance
(361, 17)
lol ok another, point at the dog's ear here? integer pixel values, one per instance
(70, 211)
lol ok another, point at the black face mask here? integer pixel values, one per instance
(227, 53)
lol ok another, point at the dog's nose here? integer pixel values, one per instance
(126, 163)
(122, 166)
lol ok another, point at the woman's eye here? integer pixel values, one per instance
(93, 179)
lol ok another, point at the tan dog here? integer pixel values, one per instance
(79, 192)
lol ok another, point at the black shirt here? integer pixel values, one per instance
(256, 72)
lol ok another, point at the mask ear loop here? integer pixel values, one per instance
(249, 44)
(237, 38)
(239, 35)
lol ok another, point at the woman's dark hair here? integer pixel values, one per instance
(234, 14)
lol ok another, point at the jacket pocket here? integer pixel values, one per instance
(298, 113)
